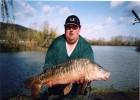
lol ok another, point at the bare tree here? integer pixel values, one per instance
(5, 6)
(12, 38)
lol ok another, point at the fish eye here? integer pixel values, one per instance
(99, 69)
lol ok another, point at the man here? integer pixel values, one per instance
(66, 47)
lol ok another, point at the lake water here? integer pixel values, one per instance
(122, 62)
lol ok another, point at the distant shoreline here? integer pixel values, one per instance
(4, 48)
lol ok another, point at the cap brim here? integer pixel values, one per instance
(71, 24)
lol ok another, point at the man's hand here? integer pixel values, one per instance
(85, 83)
(80, 81)
(49, 84)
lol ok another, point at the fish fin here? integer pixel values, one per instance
(67, 88)
(83, 87)
(35, 90)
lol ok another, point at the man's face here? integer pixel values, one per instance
(72, 33)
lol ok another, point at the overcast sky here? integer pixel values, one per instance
(99, 19)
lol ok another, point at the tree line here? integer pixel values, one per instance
(18, 38)
(119, 40)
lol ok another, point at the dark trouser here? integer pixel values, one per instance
(86, 96)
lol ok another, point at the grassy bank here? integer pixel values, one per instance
(112, 89)
(102, 94)
(115, 94)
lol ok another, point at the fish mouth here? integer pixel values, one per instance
(106, 76)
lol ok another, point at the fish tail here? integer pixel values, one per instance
(35, 90)
(34, 84)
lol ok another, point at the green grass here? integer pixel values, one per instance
(112, 89)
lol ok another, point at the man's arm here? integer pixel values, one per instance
(50, 56)
(87, 52)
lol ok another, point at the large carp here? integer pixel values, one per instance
(67, 73)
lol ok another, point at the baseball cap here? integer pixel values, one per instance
(72, 19)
